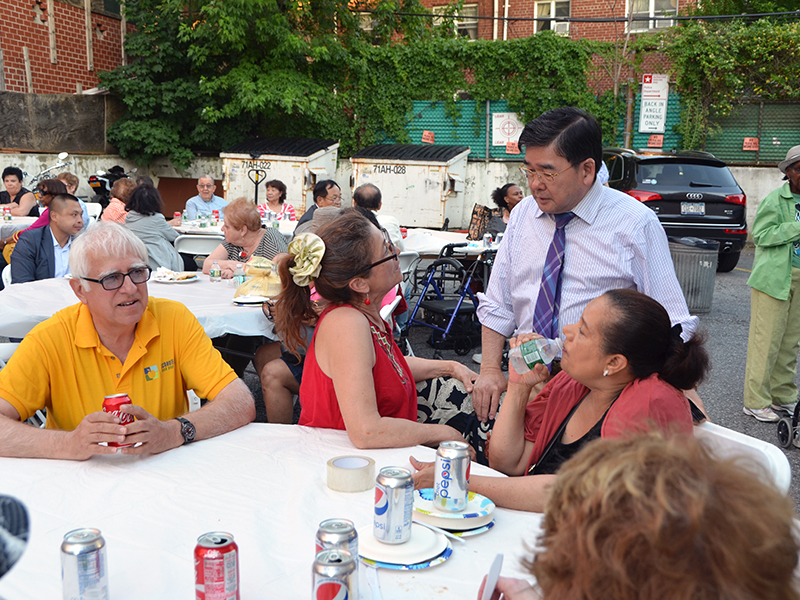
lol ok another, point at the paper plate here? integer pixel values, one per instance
(171, 279)
(478, 512)
(249, 300)
(424, 545)
(437, 560)
(476, 531)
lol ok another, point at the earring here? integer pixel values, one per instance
(367, 302)
(605, 373)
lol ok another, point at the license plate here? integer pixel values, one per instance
(693, 208)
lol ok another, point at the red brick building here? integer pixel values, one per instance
(61, 58)
(509, 19)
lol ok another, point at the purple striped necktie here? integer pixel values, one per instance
(545, 316)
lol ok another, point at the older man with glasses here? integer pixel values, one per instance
(116, 341)
(571, 241)
(205, 202)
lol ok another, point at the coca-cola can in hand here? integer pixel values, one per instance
(112, 405)
(216, 567)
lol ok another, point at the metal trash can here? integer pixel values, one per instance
(695, 263)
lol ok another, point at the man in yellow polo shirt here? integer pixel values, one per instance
(117, 340)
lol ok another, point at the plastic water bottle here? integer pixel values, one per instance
(184, 217)
(542, 350)
(215, 273)
(238, 275)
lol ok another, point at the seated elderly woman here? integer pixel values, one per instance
(244, 239)
(644, 518)
(144, 219)
(355, 377)
(276, 205)
(623, 369)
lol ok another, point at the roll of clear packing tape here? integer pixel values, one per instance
(351, 473)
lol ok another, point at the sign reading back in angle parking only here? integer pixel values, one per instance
(653, 113)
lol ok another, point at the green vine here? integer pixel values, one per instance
(718, 66)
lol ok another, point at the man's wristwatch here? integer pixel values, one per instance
(187, 430)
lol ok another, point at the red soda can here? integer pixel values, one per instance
(216, 567)
(215, 213)
(112, 405)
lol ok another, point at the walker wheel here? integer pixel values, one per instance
(785, 432)
(462, 345)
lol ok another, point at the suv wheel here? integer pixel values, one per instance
(727, 261)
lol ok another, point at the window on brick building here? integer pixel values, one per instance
(548, 10)
(111, 6)
(466, 21)
(647, 9)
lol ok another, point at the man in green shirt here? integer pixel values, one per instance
(774, 340)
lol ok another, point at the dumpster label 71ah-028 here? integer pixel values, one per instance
(391, 169)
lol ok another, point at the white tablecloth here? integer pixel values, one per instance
(9, 228)
(192, 227)
(429, 242)
(265, 484)
(24, 305)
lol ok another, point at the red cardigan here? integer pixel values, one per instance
(643, 403)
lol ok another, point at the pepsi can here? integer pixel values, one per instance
(337, 533)
(84, 571)
(334, 575)
(451, 478)
(487, 240)
(394, 501)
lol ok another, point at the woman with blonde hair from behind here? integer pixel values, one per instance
(644, 518)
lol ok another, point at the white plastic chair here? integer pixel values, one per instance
(93, 209)
(198, 244)
(6, 275)
(407, 260)
(762, 458)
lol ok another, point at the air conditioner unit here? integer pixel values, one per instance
(561, 28)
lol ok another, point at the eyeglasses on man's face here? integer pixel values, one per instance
(543, 176)
(114, 281)
(205, 186)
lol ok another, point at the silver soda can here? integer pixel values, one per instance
(451, 478)
(394, 501)
(84, 570)
(334, 576)
(498, 239)
(337, 533)
(487, 240)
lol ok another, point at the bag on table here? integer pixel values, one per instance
(263, 279)
(480, 220)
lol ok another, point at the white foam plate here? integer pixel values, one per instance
(423, 545)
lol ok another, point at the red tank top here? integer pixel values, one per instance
(395, 391)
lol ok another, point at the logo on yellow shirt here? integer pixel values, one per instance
(151, 373)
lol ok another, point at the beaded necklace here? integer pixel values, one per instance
(387, 346)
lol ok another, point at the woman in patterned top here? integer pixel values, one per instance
(244, 239)
(276, 202)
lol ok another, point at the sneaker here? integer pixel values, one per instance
(762, 414)
(788, 408)
(476, 358)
